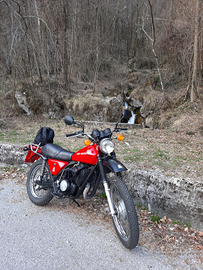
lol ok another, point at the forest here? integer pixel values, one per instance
(92, 40)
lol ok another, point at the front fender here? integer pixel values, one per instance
(113, 165)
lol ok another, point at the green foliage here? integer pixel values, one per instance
(160, 153)
(179, 157)
(139, 205)
(1, 136)
(155, 218)
(142, 206)
(133, 154)
(185, 225)
(188, 225)
(6, 169)
(174, 221)
(103, 195)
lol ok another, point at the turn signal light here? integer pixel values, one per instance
(120, 137)
(87, 142)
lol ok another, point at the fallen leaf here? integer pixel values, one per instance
(162, 220)
(169, 221)
(162, 247)
(200, 247)
(193, 238)
(171, 240)
(186, 230)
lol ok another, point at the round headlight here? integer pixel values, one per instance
(106, 146)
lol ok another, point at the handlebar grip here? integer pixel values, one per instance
(69, 135)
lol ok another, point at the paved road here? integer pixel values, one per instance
(41, 238)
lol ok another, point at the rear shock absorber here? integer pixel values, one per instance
(42, 169)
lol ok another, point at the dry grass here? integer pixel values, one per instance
(173, 152)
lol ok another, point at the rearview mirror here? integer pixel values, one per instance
(126, 114)
(69, 120)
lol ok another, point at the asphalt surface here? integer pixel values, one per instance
(33, 237)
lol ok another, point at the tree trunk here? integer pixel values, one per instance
(153, 41)
(193, 94)
(97, 50)
(65, 49)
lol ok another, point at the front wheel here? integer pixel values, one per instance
(125, 220)
(39, 195)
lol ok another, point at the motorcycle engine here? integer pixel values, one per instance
(73, 179)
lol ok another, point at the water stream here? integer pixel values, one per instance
(132, 118)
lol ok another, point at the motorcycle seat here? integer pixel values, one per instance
(54, 151)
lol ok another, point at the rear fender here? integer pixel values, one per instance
(31, 157)
(32, 154)
(113, 165)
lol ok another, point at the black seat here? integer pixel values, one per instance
(54, 151)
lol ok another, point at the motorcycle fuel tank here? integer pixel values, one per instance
(87, 155)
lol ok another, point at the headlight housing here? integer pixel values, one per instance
(106, 146)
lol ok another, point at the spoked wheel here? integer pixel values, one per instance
(125, 221)
(39, 194)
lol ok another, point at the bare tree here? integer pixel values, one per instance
(194, 94)
(153, 40)
(83, 39)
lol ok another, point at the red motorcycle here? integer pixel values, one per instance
(64, 174)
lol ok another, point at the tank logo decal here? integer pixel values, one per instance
(87, 153)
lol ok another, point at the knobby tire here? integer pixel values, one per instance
(125, 221)
(36, 194)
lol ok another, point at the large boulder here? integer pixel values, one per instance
(94, 107)
(21, 98)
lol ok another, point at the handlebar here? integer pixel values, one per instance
(69, 135)
(119, 129)
(89, 136)
(79, 133)
(74, 134)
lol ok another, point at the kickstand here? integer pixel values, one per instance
(76, 202)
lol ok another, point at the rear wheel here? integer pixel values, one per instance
(39, 194)
(125, 220)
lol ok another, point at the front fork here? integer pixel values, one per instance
(106, 186)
